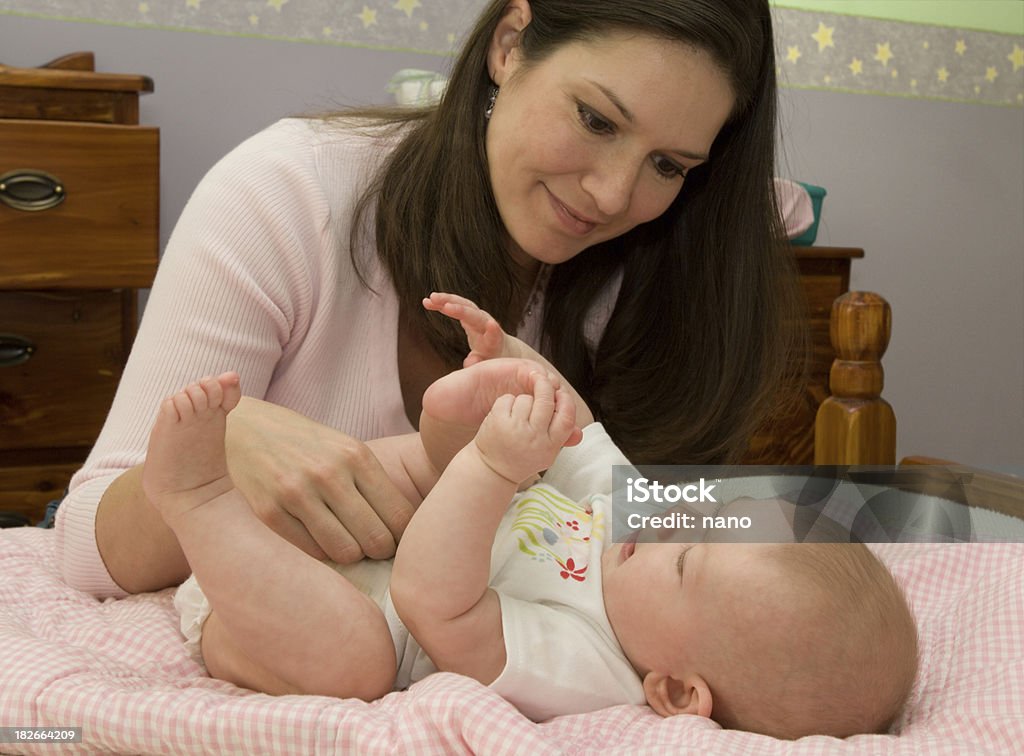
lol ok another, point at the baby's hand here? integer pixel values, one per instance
(486, 338)
(523, 434)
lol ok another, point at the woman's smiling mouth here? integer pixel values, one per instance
(569, 220)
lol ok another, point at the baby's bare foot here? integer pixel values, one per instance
(186, 465)
(464, 397)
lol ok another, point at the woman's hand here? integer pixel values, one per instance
(318, 488)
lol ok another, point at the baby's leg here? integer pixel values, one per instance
(225, 660)
(284, 620)
(186, 465)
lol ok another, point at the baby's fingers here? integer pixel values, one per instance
(543, 403)
(439, 299)
(563, 428)
(459, 308)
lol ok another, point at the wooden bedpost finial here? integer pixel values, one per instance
(855, 426)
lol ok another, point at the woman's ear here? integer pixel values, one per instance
(501, 59)
(669, 696)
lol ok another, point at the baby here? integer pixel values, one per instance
(529, 598)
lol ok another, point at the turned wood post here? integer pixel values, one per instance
(855, 426)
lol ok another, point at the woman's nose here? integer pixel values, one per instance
(611, 186)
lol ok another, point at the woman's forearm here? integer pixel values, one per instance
(140, 552)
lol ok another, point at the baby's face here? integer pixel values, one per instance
(662, 598)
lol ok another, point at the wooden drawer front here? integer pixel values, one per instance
(28, 489)
(60, 395)
(41, 103)
(104, 233)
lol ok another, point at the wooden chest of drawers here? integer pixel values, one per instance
(824, 275)
(79, 214)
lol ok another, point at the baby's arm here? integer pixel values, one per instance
(488, 341)
(439, 584)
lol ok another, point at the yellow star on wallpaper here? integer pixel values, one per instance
(408, 6)
(824, 36)
(276, 4)
(424, 26)
(883, 53)
(192, 4)
(143, 7)
(327, 31)
(943, 74)
(961, 47)
(793, 53)
(991, 73)
(254, 20)
(1016, 57)
(368, 17)
(856, 66)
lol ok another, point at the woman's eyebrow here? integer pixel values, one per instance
(628, 115)
(626, 112)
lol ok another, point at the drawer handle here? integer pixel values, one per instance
(15, 350)
(31, 191)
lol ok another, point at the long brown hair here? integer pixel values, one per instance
(698, 341)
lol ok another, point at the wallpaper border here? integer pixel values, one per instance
(816, 50)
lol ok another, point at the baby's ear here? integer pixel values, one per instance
(669, 696)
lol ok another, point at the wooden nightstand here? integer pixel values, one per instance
(79, 215)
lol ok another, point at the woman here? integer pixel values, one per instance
(598, 175)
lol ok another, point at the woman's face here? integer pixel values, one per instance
(596, 139)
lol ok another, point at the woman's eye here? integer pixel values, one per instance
(668, 169)
(593, 121)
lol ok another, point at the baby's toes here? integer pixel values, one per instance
(197, 397)
(212, 391)
(231, 390)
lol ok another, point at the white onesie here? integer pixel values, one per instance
(562, 656)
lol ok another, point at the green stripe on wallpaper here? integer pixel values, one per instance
(955, 50)
(1004, 16)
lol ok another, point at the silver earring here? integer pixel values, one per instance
(492, 95)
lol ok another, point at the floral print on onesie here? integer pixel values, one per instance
(551, 528)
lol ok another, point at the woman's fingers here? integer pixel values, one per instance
(318, 488)
(286, 525)
(373, 511)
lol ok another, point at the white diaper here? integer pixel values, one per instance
(371, 577)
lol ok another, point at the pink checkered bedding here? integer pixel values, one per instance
(117, 669)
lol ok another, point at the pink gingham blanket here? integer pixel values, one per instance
(118, 670)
